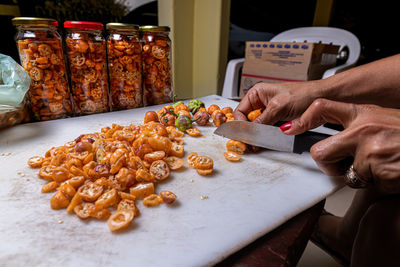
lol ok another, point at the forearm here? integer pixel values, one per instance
(374, 83)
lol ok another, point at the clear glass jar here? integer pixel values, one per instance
(41, 54)
(124, 66)
(86, 52)
(157, 73)
(11, 115)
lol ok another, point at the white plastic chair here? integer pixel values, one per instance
(328, 35)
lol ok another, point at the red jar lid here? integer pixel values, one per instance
(83, 25)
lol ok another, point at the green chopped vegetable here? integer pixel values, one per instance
(177, 103)
(183, 123)
(195, 105)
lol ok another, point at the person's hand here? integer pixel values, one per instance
(371, 136)
(279, 101)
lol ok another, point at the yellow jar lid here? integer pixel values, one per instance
(19, 21)
(151, 28)
(122, 26)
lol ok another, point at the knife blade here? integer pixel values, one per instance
(268, 136)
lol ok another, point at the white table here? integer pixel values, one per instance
(245, 201)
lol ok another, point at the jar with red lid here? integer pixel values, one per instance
(124, 65)
(157, 75)
(41, 54)
(86, 53)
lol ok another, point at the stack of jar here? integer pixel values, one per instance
(139, 70)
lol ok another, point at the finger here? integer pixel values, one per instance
(270, 114)
(332, 154)
(238, 115)
(322, 111)
(362, 167)
(250, 102)
(378, 160)
(336, 168)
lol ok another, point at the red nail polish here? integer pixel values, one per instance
(286, 126)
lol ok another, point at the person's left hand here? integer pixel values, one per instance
(371, 136)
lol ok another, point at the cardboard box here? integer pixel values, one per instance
(285, 61)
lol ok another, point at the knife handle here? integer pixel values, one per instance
(303, 142)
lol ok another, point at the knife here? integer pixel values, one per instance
(270, 137)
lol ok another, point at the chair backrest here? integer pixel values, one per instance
(328, 35)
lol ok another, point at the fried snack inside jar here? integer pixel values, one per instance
(124, 66)
(86, 52)
(156, 65)
(41, 54)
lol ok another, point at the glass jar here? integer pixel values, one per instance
(10, 115)
(41, 54)
(86, 52)
(157, 74)
(124, 66)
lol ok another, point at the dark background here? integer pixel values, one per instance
(375, 23)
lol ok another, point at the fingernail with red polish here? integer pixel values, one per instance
(286, 126)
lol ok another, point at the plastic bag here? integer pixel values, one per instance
(14, 82)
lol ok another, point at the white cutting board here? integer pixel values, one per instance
(245, 201)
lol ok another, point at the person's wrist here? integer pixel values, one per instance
(322, 89)
(316, 89)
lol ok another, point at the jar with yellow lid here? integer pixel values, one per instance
(157, 74)
(124, 65)
(41, 54)
(86, 52)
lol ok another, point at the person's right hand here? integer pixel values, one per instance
(279, 101)
(371, 136)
